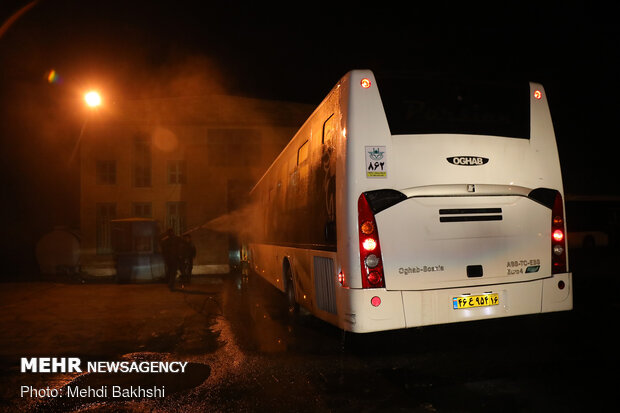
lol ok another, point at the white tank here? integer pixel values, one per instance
(58, 251)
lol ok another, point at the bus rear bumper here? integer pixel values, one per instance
(379, 309)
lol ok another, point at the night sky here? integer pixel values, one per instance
(292, 51)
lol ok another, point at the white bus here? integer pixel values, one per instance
(401, 204)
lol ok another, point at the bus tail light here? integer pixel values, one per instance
(558, 237)
(370, 249)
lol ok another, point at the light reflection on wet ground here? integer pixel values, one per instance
(246, 354)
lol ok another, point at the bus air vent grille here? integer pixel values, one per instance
(470, 214)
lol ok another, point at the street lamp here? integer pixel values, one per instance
(92, 99)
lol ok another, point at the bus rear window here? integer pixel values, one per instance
(422, 106)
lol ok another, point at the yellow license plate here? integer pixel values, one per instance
(471, 301)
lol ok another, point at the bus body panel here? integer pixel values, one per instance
(365, 126)
(296, 200)
(407, 309)
(314, 283)
(421, 252)
(424, 160)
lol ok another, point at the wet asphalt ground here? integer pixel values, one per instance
(245, 354)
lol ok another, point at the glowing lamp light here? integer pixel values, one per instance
(365, 83)
(537, 94)
(367, 227)
(558, 235)
(369, 244)
(92, 99)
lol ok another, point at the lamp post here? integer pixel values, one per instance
(93, 100)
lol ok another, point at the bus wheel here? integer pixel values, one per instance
(293, 307)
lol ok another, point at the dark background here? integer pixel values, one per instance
(292, 51)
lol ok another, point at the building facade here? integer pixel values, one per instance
(181, 161)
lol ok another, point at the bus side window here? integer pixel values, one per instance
(329, 128)
(302, 153)
(302, 164)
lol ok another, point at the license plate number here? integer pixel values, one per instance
(471, 301)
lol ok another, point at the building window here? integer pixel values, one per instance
(106, 172)
(142, 210)
(176, 172)
(142, 162)
(105, 214)
(175, 216)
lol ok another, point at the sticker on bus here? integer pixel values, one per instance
(376, 162)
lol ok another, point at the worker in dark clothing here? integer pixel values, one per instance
(187, 258)
(171, 250)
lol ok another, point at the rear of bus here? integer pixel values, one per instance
(455, 201)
